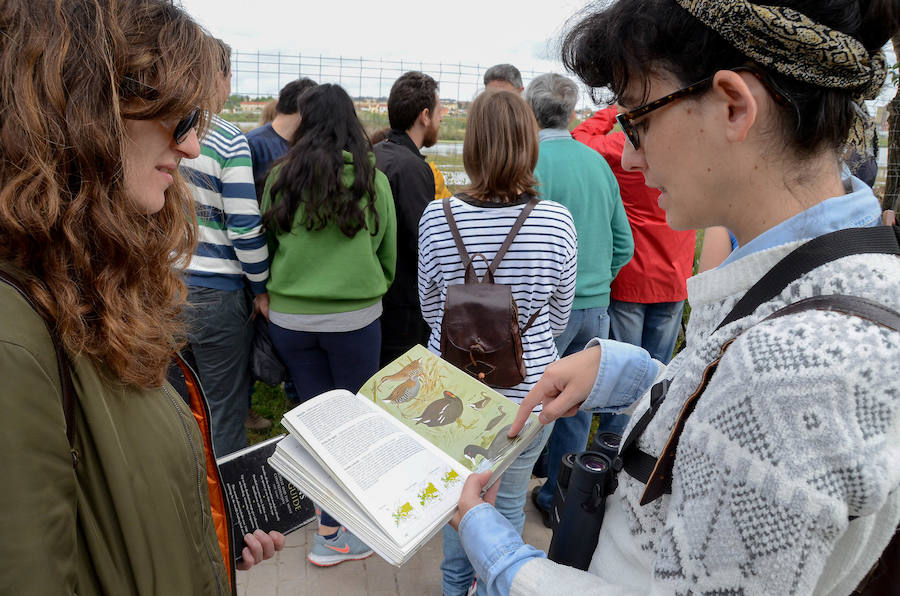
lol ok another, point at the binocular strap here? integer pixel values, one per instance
(656, 472)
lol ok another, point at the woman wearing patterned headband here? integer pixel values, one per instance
(786, 476)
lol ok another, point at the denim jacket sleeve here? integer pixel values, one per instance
(495, 549)
(626, 372)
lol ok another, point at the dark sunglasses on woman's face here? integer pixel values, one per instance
(627, 119)
(185, 125)
(182, 127)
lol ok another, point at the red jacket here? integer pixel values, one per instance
(663, 258)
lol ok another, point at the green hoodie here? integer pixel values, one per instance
(324, 271)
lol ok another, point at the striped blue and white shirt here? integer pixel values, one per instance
(232, 243)
(539, 266)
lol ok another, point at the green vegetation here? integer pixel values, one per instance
(270, 403)
(453, 126)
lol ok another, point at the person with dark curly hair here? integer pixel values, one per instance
(784, 477)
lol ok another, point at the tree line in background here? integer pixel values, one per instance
(453, 128)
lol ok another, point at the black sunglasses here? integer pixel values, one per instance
(184, 126)
(130, 86)
(626, 119)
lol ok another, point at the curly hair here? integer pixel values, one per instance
(107, 275)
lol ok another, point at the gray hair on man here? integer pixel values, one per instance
(552, 97)
(503, 72)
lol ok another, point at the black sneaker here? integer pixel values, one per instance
(545, 513)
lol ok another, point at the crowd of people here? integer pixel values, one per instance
(140, 234)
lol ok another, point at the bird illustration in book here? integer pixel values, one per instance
(479, 405)
(442, 411)
(410, 377)
(411, 370)
(498, 445)
(493, 421)
(405, 391)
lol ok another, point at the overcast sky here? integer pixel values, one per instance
(471, 32)
(468, 32)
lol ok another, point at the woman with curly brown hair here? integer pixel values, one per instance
(106, 490)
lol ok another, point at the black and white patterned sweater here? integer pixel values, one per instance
(798, 431)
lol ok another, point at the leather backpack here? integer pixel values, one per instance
(480, 331)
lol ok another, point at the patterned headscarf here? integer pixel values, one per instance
(794, 45)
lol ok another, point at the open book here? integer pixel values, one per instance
(389, 463)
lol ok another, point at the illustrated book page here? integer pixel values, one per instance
(397, 477)
(456, 413)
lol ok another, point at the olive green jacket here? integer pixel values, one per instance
(134, 517)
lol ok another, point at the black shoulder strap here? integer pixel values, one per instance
(62, 363)
(656, 473)
(813, 254)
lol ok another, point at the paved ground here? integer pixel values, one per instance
(289, 573)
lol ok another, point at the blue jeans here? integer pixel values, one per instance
(320, 362)
(457, 572)
(571, 434)
(219, 333)
(653, 326)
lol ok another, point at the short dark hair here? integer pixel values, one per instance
(632, 39)
(290, 94)
(413, 92)
(504, 72)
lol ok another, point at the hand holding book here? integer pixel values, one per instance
(473, 493)
(259, 547)
(389, 463)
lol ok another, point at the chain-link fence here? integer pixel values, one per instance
(259, 74)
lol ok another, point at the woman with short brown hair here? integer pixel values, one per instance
(499, 154)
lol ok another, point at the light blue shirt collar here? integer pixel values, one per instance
(547, 134)
(857, 209)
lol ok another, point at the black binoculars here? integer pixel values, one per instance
(584, 481)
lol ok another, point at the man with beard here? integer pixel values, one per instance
(414, 112)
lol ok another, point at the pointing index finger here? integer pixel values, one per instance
(541, 389)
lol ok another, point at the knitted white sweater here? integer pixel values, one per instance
(798, 430)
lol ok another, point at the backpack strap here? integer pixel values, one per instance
(62, 364)
(507, 242)
(813, 254)
(658, 480)
(454, 231)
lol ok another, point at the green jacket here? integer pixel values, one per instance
(324, 271)
(134, 517)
